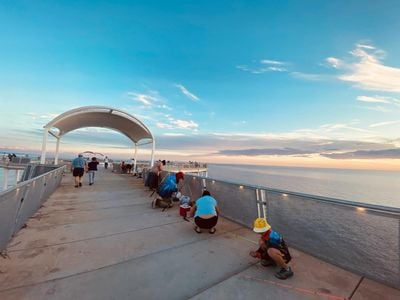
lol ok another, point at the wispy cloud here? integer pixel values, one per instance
(272, 62)
(164, 125)
(173, 123)
(44, 117)
(173, 134)
(374, 99)
(264, 151)
(311, 77)
(366, 154)
(390, 103)
(378, 108)
(183, 124)
(147, 99)
(341, 126)
(264, 65)
(384, 123)
(186, 92)
(366, 69)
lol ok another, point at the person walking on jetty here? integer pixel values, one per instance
(78, 169)
(205, 212)
(272, 249)
(92, 168)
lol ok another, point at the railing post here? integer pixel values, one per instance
(5, 180)
(264, 202)
(258, 203)
(135, 160)
(57, 148)
(153, 148)
(44, 144)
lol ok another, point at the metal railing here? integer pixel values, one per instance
(359, 237)
(19, 203)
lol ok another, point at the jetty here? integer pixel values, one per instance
(106, 242)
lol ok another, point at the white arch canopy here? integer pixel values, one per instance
(98, 116)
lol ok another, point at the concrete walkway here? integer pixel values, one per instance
(106, 242)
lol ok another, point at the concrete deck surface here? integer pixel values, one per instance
(106, 242)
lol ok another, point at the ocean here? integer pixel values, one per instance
(374, 187)
(11, 178)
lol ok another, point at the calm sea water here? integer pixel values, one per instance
(11, 178)
(375, 187)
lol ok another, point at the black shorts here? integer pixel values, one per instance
(282, 248)
(206, 223)
(285, 253)
(78, 172)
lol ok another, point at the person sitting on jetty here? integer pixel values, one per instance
(153, 178)
(123, 167)
(205, 212)
(92, 167)
(272, 250)
(78, 169)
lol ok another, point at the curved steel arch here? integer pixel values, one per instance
(97, 116)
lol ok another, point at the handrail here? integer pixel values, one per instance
(344, 202)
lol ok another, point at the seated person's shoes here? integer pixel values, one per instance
(284, 273)
(267, 262)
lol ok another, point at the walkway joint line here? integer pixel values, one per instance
(356, 288)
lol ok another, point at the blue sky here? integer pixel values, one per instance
(308, 83)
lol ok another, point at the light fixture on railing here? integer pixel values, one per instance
(361, 209)
(213, 181)
(241, 187)
(284, 195)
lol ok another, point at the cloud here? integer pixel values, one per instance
(283, 145)
(272, 62)
(349, 127)
(164, 125)
(374, 99)
(264, 151)
(185, 124)
(378, 108)
(146, 99)
(389, 102)
(188, 94)
(334, 62)
(264, 65)
(311, 77)
(45, 117)
(362, 154)
(384, 123)
(366, 70)
(173, 123)
(173, 134)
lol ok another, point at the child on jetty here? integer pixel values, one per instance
(272, 250)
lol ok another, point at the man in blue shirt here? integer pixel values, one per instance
(78, 169)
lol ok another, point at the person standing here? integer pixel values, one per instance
(106, 162)
(78, 166)
(92, 168)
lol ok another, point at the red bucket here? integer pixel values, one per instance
(184, 210)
